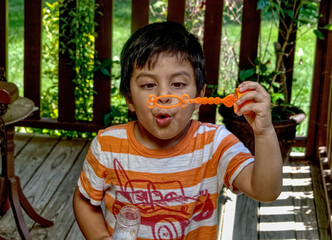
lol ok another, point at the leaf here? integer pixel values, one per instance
(105, 71)
(263, 68)
(277, 96)
(289, 13)
(246, 73)
(262, 4)
(319, 34)
(328, 27)
(107, 63)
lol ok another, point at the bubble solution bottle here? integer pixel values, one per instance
(127, 223)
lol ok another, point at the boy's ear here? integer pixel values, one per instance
(130, 105)
(201, 94)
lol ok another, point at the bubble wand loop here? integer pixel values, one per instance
(184, 100)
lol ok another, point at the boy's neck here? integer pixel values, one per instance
(151, 142)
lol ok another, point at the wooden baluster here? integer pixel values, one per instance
(329, 132)
(103, 46)
(317, 126)
(288, 24)
(250, 33)
(66, 72)
(140, 14)
(32, 52)
(4, 35)
(176, 11)
(211, 47)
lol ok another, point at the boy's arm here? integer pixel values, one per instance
(89, 218)
(261, 180)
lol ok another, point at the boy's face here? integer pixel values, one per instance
(159, 127)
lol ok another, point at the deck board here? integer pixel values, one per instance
(60, 209)
(50, 166)
(246, 218)
(321, 200)
(277, 218)
(304, 205)
(32, 156)
(46, 177)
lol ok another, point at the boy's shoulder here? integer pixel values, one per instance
(205, 126)
(119, 131)
(207, 129)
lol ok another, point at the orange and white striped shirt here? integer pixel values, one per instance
(175, 189)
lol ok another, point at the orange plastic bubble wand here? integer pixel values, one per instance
(184, 100)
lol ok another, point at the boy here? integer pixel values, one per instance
(171, 167)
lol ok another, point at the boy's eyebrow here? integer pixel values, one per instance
(181, 73)
(147, 74)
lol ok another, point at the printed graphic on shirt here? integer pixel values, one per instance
(168, 214)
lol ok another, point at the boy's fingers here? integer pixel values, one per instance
(251, 96)
(249, 85)
(255, 96)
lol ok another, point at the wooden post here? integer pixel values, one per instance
(317, 129)
(32, 51)
(211, 47)
(329, 131)
(4, 35)
(176, 11)
(251, 20)
(103, 46)
(288, 24)
(66, 72)
(140, 14)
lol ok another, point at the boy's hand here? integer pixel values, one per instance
(257, 113)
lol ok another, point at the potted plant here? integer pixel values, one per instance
(276, 80)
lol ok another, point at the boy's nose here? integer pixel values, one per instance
(164, 91)
(165, 99)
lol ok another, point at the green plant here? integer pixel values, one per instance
(272, 72)
(78, 34)
(118, 113)
(85, 62)
(50, 52)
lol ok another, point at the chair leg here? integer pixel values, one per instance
(3, 196)
(17, 211)
(29, 209)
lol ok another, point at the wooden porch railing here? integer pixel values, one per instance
(140, 17)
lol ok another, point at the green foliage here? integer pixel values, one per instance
(194, 17)
(300, 15)
(158, 10)
(50, 51)
(85, 63)
(79, 35)
(118, 113)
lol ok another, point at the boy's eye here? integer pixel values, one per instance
(178, 84)
(148, 85)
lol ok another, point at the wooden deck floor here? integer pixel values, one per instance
(49, 168)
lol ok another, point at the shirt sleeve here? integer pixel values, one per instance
(91, 182)
(234, 157)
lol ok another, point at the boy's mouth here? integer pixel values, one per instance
(163, 119)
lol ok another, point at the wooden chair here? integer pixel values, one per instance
(13, 109)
